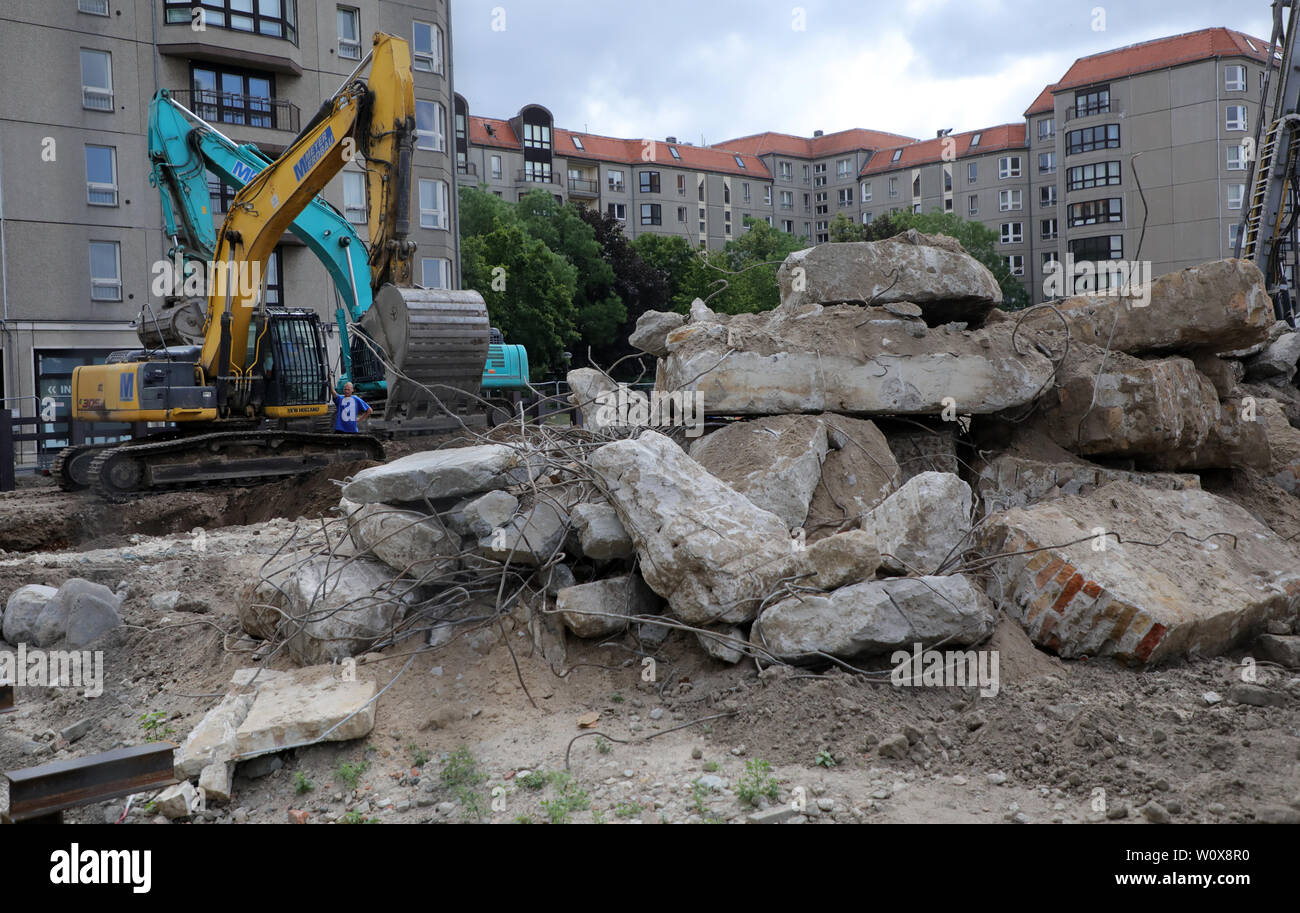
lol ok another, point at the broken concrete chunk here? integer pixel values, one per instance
(703, 546)
(1283, 649)
(652, 329)
(478, 516)
(1012, 481)
(924, 525)
(435, 474)
(839, 560)
(859, 471)
(412, 543)
(22, 609)
(928, 270)
(1150, 575)
(776, 462)
(1214, 307)
(587, 387)
(216, 781)
(532, 538)
(601, 532)
(214, 736)
(1278, 360)
(875, 617)
(178, 801)
(724, 643)
(849, 359)
(602, 608)
(303, 706)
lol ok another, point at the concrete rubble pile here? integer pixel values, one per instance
(891, 460)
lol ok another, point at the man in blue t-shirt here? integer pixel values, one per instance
(349, 409)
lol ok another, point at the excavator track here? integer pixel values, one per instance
(230, 457)
(71, 468)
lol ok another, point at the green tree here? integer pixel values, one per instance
(678, 261)
(562, 229)
(529, 291)
(641, 286)
(845, 229)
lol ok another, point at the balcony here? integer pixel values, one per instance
(584, 187)
(524, 177)
(241, 110)
(261, 38)
(469, 168)
(1076, 113)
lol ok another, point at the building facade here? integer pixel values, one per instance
(80, 226)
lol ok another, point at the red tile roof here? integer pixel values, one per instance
(1159, 54)
(633, 152)
(502, 135)
(813, 147)
(992, 139)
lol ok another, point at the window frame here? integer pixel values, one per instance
(1010, 200)
(444, 268)
(1095, 212)
(436, 58)
(1006, 170)
(349, 49)
(177, 12)
(1076, 144)
(649, 182)
(1232, 86)
(93, 187)
(1228, 122)
(439, 213)
(99, 281)
(355, 179)
(89, 91)
(1011, 233)
(438, 133)
(652, 214)
(1114, 176)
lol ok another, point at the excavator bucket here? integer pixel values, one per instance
(434, 341)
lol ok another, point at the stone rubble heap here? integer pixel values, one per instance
(891, 460)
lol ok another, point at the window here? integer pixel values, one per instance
(1106, 247)
(866, 218)
(975, 140)
(1047, 196)
(430, 126)
(1084, 177)
(972, 172)
(973, 205)
(681, 213)
(675, 154)
(1234, 78)
(787, 199)
(1104, 136)
(893, 187)
(866, 191)
(1009, 200)
(1233, 230)
(354, 196)
(537, 136)
(1046, 162)
(274, 296)
(615, 180)
(537, 172)
(1016, 263)
(726, 193)
(349, 33)
(1092, 101)
(1047, 229)
(577, 143)
(426, 47)
(916, 186)
(1046, 128)
(96, 80)
(898, 154)
(916, 209)
(1236, 118)
(846, 196)
(233, 96)
(651, 214)
(681, 184)
(785, 171)
(1009, 167)
(1013, 232)
(435, 272)
(843, 167)
(767, 195)
(1237, 158)
(94, 7)
(947, 180)
(805, 175)
(494, 162)
(101, 175)
(740, 163)
(433, 204)
(947, 204)
(1048, 259)
(1236, 195)
(273, 18)
(744, 191)
(105, 271)
(220, 195)
(1095, 212)
(649, 181)
(618, 211)
(787, 226)
(701, 190)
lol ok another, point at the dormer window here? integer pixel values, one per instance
(740, 162)
(677, 155)
(898, 154)
(975, 140)
(577, 144)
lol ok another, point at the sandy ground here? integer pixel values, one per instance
(481, 728)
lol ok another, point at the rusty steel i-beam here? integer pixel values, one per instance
(42, 793)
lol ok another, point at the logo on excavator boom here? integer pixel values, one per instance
(126, 387)
(313, 154)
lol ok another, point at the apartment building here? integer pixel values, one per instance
(1150, 148)
(80, 226)
(702, 193)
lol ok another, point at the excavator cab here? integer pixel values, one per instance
(295, 373)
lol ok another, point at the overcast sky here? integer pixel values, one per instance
(716, 69)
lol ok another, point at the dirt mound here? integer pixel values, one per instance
(307, 496)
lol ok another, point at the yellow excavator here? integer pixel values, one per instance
(246, 402)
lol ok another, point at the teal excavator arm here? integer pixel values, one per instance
(183, 149)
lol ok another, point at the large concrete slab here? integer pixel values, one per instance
(302, 706)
